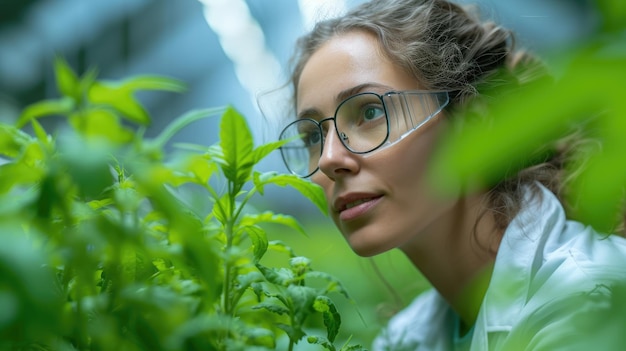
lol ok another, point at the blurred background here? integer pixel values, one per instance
(232, 52)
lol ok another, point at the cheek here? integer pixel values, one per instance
(325, 183)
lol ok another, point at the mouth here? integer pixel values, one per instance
(355, 205)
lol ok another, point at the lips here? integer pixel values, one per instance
(353, 205)
(357, 202)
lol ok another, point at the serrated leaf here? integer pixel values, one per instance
(236, 144)
(262, 151)
(311, 191)
(67, 81)
(270, 217)
(318, 340)
(300, 265)
(62, 106)
(259, 337)
(332, 319)
(259, 241)
(302, 298)
(272, 307)
(295, 333)
(278, 276)
(279, 246)
(248, 279)
(353, 348)
(334, 284)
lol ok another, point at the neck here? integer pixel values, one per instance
(456, 254)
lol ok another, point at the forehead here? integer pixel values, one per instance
(344, 62)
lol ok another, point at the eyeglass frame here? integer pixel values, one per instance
(342, 138)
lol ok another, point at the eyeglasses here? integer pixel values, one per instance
(364, 122)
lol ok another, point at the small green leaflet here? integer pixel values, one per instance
(311, 191)
(237, 145)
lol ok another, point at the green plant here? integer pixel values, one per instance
(101, 249)
(526, 125)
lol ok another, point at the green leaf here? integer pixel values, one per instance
(201, 168)
(259, 337)
(12, 140)
(236, 143)
(272, 307)
(40, 132)
(279, 246)
(613, 14)
(270, 217)
(311, 191)
(280, 276)
(332, 319)
(525, 126)
(62, 106)
(302, 298)
(334, 284)
(120, 99)
(262, 151)
(152, 82)
(101, 123)
(259, 241)
(67, 81)
(356, 347)
(87, 162)
(318, 340)
(300, 265)
(295, 333)
(248, 279)
(181, 122)
(12, 174)
(120, 94)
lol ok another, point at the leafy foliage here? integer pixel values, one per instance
(102, 252)
(527, 124)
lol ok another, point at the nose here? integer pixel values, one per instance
(336, 160)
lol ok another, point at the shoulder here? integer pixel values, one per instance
(552, 278)
(422, 325)
(574, 295)
(594, 319)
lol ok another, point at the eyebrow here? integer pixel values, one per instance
(344, 94)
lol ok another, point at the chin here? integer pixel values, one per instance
(365, 248)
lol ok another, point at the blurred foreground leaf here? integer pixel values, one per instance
(524, 126)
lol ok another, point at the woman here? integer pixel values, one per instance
(374, 90)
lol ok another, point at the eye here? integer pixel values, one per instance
(310, 133)
(312, 138)
(372, 112)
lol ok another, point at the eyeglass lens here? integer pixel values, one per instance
(362, 122)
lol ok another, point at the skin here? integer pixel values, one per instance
(442, 237)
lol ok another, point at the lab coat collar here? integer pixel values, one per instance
(540, 219)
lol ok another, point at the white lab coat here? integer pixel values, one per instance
(556, 285)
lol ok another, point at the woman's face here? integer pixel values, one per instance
(381, 200)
